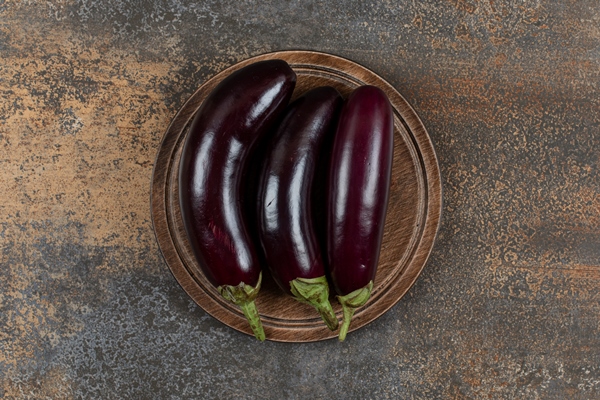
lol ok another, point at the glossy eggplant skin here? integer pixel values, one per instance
(359, 181)
(287, 231)
(242, 108)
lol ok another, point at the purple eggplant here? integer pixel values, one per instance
(243, 107)
(286, 227)
(359, 182)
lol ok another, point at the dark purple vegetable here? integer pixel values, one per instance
(287, 233)
(242, 108)
(359, 181)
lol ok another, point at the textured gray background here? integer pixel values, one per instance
(508, 304)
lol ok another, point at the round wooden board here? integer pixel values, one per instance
(411, 225)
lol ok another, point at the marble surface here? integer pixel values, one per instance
(508, 305)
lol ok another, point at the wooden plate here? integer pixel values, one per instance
(411, 225)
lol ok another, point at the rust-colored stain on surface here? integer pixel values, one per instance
(508, 305)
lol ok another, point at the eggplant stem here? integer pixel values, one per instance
(243, 296)
(251, 313)
(350, 303)
(315, 292)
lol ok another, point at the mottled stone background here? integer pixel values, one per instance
(508, 305)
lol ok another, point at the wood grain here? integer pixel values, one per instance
(411, 225)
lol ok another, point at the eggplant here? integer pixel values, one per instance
(359, 182)
(237, 112)
(286, 229)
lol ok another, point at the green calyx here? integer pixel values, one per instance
(243, 296)
(350, 303)
(315, 291)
